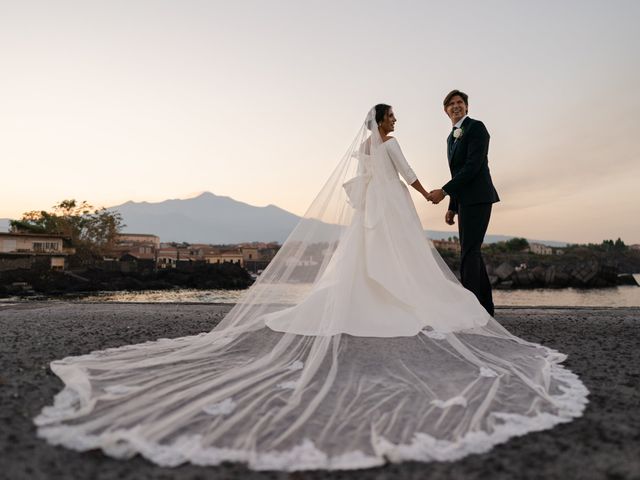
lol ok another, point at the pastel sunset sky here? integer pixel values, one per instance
(145, 100)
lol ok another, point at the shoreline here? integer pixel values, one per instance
(24, 290)
(601, 344)
(44, 302)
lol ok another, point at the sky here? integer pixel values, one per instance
(146, 100)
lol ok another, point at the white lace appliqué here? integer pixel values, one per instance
(487, 372)
(451, 402)
(121, 389)
(287, 385)
(434, 334)
(297, 365)
(224, 407)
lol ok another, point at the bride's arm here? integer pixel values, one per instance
(418, 186)
(401, 164)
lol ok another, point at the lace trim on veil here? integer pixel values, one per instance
(305, 456)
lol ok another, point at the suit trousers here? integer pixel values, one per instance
(473, 221)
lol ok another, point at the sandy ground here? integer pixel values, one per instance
(603, 347)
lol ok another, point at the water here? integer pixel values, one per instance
(169, 296)
(623, 296)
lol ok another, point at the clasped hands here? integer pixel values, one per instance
(435, 196)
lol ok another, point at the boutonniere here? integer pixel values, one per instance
(457, 133)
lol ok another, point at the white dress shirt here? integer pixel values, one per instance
(459, 122)
(456, 125)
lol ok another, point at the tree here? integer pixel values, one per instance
(517, 244)
(90, 231)
(619, 245)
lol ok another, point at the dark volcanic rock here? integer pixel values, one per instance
(50, 282)
(626, 279)
(504, 271)
(524, 279)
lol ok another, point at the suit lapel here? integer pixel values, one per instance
(457, 142)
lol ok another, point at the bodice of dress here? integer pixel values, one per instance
(393, 162)
(385, 163)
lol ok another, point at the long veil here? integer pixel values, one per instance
(356, 346)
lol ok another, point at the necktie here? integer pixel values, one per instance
(451, 140)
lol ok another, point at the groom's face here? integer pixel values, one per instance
(456, 109)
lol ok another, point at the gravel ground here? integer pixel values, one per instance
(603, 347)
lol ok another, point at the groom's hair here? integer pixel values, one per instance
(452, 94)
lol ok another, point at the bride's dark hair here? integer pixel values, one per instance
(381, 110)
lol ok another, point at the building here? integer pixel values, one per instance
(225, 256)
(23, 250)
(170, 255)
(138, 238)
(302, 262)
(257, 255)
(450, 245)
(250, 254)
(142, 251)
(133, 246)
(540, 249)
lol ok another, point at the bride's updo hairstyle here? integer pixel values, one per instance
(381, 110)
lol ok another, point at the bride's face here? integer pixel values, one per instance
(456, 108)
(388, 123)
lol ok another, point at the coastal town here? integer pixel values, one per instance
(515, 263)
(129, 252)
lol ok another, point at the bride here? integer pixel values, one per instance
(357, 346)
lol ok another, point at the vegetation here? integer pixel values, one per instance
(90, 231)
(610, 253)
(605, 246)
(513, 245)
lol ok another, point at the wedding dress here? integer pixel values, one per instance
(355, 347)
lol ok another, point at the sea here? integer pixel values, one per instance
(622, 296)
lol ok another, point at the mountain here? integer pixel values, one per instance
(207, 218)
(210, 218)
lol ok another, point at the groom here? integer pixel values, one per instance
(471, 192)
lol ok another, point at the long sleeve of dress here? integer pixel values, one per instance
(401, 164)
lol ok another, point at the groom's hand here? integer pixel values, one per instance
(436, 196)
(449, 217)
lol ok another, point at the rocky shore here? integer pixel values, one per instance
(602, 344)
(44, 281)
(591, 274)
(522, 270)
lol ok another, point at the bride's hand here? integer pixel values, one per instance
(436, 196)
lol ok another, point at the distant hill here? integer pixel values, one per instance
(207, 218)
(4, 224)
(210, 218)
